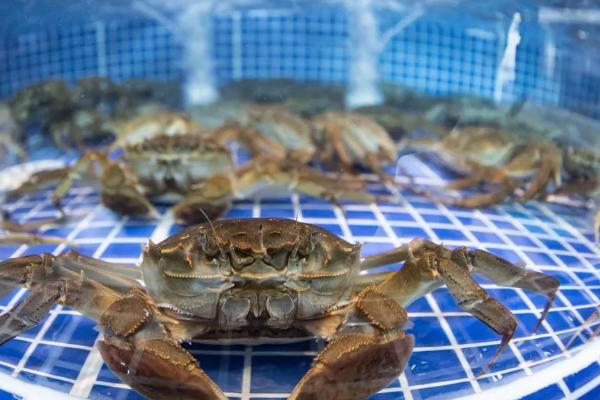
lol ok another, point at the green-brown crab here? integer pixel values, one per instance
(261, 279)
(270, 131)
(346, 140)
(488, 155)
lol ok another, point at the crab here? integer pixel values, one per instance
(272, 131)
(353, 139)
(43, 105)
(488, 155)
(81, 115)
(581, 176)
(261, 280)
(167, 154)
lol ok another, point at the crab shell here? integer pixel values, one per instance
(264, 276)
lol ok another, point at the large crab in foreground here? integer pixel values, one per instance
(263, 279)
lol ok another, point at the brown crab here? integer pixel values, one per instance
(488, 155)
(351, 139)
(82, 114)
(270, 131)
(261, 278)
(581, 176)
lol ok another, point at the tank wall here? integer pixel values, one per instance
(432, 55)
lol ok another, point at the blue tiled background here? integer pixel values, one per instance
(445, 51)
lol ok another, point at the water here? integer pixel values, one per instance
(423, 71)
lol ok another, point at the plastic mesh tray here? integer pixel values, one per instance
(451, 346)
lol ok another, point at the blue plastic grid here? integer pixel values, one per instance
(451, 345)
(437, 54)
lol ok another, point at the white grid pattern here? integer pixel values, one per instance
(379, 227)
(436, 56)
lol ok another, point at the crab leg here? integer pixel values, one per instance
(471, 180)
(49, 284)
(30, 271)
(118, 277)
(431, 271)
(31, 238)
(37, 181)
(19, 232)
(547, 169)
(429, 266)
(136, 345)
(593, 316)
(11, 145)
(398, 254)
(485, 199)
(503, 273)
(8, 224)
(30, 311)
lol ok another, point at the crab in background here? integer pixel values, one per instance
(346, 140)
(258, 280)
(581, 176)
(80, 115)
(270, 131)
(486, 155)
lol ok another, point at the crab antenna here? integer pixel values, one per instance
(212, 227)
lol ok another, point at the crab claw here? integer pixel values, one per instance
(354, 367)
(160, 369)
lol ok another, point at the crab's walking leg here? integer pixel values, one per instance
(11, 145)
(81, 169)
(546, 171)
(398, 254)
(497, 196)
(31, 238)
(30, 311)
(432, 270)
(469, 181)
(19, 232)
(8, 224)
(49, 284)
(122, 193)
(593, 316)
(504, 273)
(38, 181)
